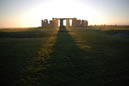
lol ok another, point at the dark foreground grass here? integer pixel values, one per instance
(108, 54)
(16, 48)
(13, 54)
(73, 57)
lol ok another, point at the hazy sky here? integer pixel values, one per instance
(28, 13)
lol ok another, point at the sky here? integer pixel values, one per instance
(29, 13)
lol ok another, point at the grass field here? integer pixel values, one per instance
(66, 57)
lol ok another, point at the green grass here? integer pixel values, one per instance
(72, 56)
(16, 47)
(108, 55)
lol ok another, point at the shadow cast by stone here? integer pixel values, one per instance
(68, 64)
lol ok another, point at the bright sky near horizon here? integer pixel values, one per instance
(28, 13)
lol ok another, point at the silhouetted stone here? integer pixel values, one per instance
(54, 22)
(67, 22)
(61, 22)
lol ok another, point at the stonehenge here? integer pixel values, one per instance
(56, 22)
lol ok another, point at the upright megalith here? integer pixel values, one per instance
(74, 22)
(55, 22)
(50, 23)
(85, 24)
(61, 22)
(67, 22)
(45, 23)
(78, 23)
(42, 23)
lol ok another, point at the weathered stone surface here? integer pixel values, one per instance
(55, 21)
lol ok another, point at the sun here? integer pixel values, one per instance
(60, 9)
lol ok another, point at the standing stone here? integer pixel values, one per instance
(61, 23)
(42, 23)
(67, 22)
(74, 22)
(55, 21)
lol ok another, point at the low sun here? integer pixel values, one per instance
(60, 9)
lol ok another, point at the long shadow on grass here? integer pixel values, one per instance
(69, 65)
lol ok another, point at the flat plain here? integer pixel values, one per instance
(74, 56)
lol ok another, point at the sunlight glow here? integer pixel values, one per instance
(60, 8)
(29, 13)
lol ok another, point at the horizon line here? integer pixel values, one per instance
(88, 25)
